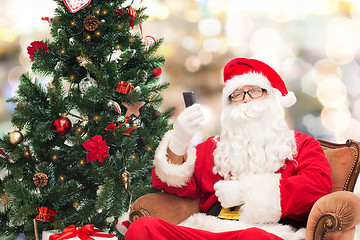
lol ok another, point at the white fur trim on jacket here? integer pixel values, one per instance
(261, 197)
(214, 224)
(171, 174)
(239, 81)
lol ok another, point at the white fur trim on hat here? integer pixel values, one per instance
(261, 197)
(288, 100)
(251, 78)
(171, 174)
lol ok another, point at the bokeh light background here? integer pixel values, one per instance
(313, 44)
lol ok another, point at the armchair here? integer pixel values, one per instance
(333, 216)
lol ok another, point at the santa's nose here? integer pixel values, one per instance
(247, 98)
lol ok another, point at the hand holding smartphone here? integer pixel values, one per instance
(189, 98)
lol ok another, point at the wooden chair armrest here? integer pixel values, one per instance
(334, 216)
(168, 207)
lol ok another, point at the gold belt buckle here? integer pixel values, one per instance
(232, 213)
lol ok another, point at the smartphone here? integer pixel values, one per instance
(189, 98)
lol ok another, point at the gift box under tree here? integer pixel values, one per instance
(86, 232)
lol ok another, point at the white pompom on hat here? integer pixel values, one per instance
(242, 71)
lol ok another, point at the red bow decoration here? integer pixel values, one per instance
(131, 11)
(85, 233)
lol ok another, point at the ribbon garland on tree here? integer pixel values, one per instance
(131, 11)
(112, 127)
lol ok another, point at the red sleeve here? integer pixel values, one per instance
(193, 188)
(190, 190)
(311, 179)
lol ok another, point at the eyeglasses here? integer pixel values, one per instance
(254, 93)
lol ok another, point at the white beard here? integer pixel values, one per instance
(254, 139)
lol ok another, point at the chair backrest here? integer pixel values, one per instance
(344, 162)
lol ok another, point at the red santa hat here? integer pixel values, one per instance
(242, 71)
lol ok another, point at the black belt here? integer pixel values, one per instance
(215, 209)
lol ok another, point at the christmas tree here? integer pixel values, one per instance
(82, 145)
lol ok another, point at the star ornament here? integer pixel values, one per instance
(98, 150)
(133, 108)
(83, 60)
(6, 200)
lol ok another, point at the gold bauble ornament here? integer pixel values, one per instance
(16, 137)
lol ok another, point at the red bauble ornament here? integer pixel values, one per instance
(61, 125)
(156, 72)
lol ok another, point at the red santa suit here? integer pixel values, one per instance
(288, 193)
(285, 191)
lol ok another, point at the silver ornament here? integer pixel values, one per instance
(71, 41)
(85, 83)
(137, 89)
(58, 66)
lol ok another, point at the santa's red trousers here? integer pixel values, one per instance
(147, 228)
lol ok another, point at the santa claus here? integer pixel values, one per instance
(257, 180)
